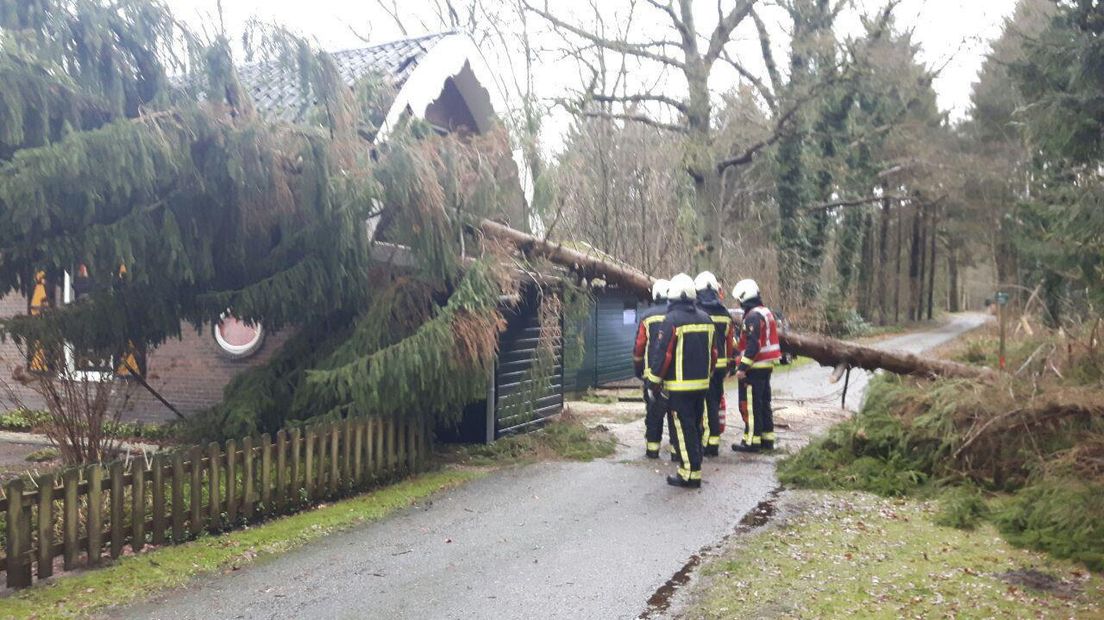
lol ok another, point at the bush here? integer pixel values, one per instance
(1063, 516)
(22, 420)
(962, 508)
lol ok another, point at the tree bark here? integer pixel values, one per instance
(826, 351)
(897, 280)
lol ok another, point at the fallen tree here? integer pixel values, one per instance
(826, 351)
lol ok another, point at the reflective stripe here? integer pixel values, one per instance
(750, 432)
(695, 475)
(714, 440)
(770, 348)
(765, 364)
(653, 446)
(651, 377)
(747, 360)
(693, 385)
(684, 473)
(768, 436)
(680, 436)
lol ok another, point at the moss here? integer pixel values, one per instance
(848, 555)
(43, 455)
(134, 577)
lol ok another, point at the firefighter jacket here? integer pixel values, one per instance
(683, 353)
(759, 344)
(724, 333)
(646, 329)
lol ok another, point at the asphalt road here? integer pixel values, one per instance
(551, 540)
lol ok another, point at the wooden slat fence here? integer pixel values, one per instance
(87, 512)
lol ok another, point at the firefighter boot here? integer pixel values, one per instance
(676, 481)
(712, 450)
(744, 447)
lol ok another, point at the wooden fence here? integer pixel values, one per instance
(178, 496)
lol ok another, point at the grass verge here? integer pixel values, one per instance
(847, 554)
(137, 577)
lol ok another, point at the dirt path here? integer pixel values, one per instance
(606, 539)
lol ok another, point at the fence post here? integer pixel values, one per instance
(335, 468)
(70, 528)
(95, 514)
(358, 453)
(247, 478)
(213, 483)
(266, 472)
(293, 489)
(280, 498)
(347, 453)
(375, 443)
(178, 497)
(117, 532)
(308, 463)
(19, 538)
(157, 475)
(196, 491)
(45, 526)
(231, 482)
(138, 507)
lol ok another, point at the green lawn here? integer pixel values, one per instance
(137, 577)
(854, 555)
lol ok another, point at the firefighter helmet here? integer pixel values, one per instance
(707, 281)
(659, 290)
(745, 290)
(682, 287)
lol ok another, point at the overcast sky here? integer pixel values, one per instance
(953, 35)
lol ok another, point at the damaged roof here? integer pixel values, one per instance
(277, 92)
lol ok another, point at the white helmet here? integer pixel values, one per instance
(745, 290)
(659, 289)
(706, 280)
(682, 287)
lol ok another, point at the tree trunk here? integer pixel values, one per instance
(914, 266)
(826, 351)
(867, 269)
(883, 262)
(897, 280)
(931, 263)
(953, 301)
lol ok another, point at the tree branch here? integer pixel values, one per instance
(759, 85)
(636, 118)
(723, 32)
(854, 203)
(768, 54)
(621, 47)
(641, 98)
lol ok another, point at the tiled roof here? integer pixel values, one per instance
(276, 91)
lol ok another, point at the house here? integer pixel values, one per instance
(440, 78)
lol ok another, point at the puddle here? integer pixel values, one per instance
(757, 517)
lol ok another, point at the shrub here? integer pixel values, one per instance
(1063, 516)
(962, 507)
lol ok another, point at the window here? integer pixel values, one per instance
(236, 338)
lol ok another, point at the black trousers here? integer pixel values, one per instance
(761, 417)
(712, 436)
(655, 409)
(688, 408)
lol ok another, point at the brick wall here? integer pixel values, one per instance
(189, 372)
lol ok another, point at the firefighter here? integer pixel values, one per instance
(683, 357)
(655, 405)
(759, 352)
(724, 338)
(741, 384)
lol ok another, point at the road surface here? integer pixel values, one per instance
(551, 540)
